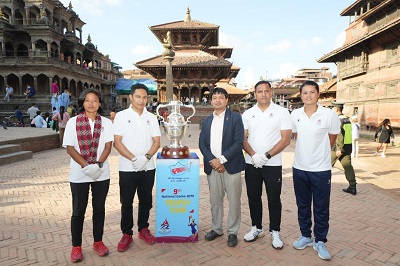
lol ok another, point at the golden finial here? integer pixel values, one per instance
(70, 5)
(89, 39)
(187, 16)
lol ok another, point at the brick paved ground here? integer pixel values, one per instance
(35, 207)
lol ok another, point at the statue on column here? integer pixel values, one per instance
(168, 47)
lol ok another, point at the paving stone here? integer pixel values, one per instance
(35, 208)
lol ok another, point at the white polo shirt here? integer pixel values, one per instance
(313, 149)
(70, 139)
(137, 135)
(264, 130)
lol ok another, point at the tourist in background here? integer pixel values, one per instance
(315, 129)
(221, 143)
(61, 118)
(32, 111)
(88, 139)
(39, 121)
(30, 92)
(386, 132)
(19, 115)
(54, 88)
(137, 139)
(267, 132)
(9, 92)
(355, 134)
(63, 100)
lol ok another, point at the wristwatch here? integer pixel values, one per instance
(148, 156)
(268, 155)
(100, 164)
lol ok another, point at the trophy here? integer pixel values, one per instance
(175, 127)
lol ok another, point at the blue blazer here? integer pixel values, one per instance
(232, 143)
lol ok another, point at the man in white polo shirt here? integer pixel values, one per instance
(315, 129)
(137, 139)
(267, 132)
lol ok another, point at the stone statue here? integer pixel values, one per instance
(167, 39)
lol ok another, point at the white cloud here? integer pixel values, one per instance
(233, 41)
(340, 39)
(285, 70)
(257, 34)
(279, 47)
(141, 49)
(309, 43)
(114, 2)
(316, 40)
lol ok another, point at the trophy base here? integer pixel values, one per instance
(175, 153)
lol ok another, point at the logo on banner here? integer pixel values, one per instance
(179, 168)
(164, 228)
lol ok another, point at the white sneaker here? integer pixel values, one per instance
(276, 240)
(383, 155)
(375, 153)
(253, 234)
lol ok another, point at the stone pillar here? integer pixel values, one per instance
(168, 58)
(26, 20)
(3, 48)
(35, 85)
(33, 49)
(48, 48)
(21, 90)
(50, 82)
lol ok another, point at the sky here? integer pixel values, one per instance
(270, 39)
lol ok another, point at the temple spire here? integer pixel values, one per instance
(89, 39)
(70, 6)
(187, 16)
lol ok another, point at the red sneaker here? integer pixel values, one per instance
(147, 236)
(101, 249)
(124, 243)
(76, 254)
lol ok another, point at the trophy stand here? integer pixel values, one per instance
(177, 171)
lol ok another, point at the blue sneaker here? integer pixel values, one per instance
(302, 242)
(323, 253)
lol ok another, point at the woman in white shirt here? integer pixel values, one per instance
(88, 139)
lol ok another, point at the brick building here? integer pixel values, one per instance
(368, 63)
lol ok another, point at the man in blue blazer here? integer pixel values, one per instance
(221, 143)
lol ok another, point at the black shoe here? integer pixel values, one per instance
(232, 240)
(212, 235)
(351, 189)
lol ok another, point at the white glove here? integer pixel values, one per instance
(98, 174)
(92, 171)
(259, 160)
(139, 163)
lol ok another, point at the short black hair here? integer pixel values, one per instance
(136, 86)
(262, 82)
(82, 97)
(219, 90)
(309, 83)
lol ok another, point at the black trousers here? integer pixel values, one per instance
(141, 182)
(80, 196)
(272, 178)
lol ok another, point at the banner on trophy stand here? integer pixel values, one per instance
(177, 199)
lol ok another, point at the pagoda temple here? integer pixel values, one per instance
(199, 61)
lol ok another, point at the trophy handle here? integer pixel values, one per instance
(158, 107)
(194, 111)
